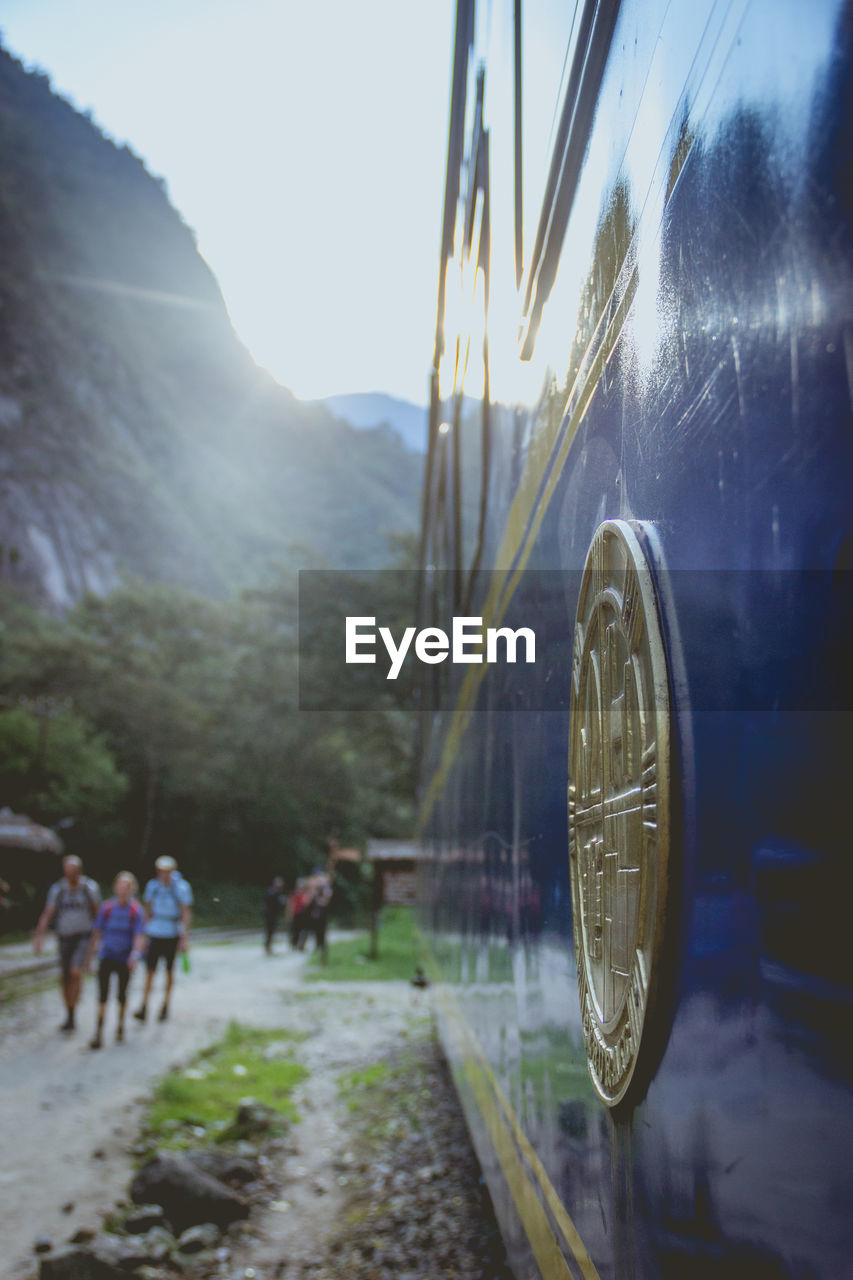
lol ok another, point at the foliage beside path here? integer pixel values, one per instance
(349, 960)
(157, 721)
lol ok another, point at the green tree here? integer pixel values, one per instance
(154, 659)
(53, 767)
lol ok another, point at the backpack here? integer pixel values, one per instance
(172, 891)
(61, 901)
(135, 914)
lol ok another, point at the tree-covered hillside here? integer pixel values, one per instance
(136, 434)
(157, 493)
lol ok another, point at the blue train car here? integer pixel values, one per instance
(637, 847)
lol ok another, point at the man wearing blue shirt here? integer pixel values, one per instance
(167, 900)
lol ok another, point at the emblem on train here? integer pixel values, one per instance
(618, 802)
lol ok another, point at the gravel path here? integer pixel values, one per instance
(68, 1115)
(378, 1184)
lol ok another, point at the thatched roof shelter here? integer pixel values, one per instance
(17, 831)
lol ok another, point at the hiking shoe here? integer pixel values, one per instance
(68, 1024)
(95, 1042)
(163, 1014)
(119, 1034)
(141, 1013)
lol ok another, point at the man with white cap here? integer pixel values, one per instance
(167, 899)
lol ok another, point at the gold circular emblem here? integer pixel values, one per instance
(619, 785)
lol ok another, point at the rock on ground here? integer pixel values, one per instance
(188, 1195)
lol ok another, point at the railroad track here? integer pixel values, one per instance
(22, 975)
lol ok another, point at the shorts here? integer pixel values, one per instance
(73, 948)
(106, 969)
(157, 947)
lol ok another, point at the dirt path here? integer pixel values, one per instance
(68, 1116)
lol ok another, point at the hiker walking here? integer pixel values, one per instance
(273, 903)
(316, 915)
(119, 937)
(168, 899)
(71, 906)
(297, 905)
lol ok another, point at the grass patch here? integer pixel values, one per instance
(389, 1093)
(21, 985)
(354, 1084)
(197, 1103)
(348, 961)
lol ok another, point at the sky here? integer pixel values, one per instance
(304, 141)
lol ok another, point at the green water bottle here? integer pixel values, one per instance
(185, 961)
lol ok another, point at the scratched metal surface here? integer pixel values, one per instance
(694, 355)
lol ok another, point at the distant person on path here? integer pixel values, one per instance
(71, 906)
(168, 899)
(119, 936)
(273, 902)
(297, 905)
(316, 915)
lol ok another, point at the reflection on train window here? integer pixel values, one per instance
(548, 35)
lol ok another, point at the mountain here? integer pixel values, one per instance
(375, 409)
(137, 436)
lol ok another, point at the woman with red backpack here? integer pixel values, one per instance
(119, 936)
